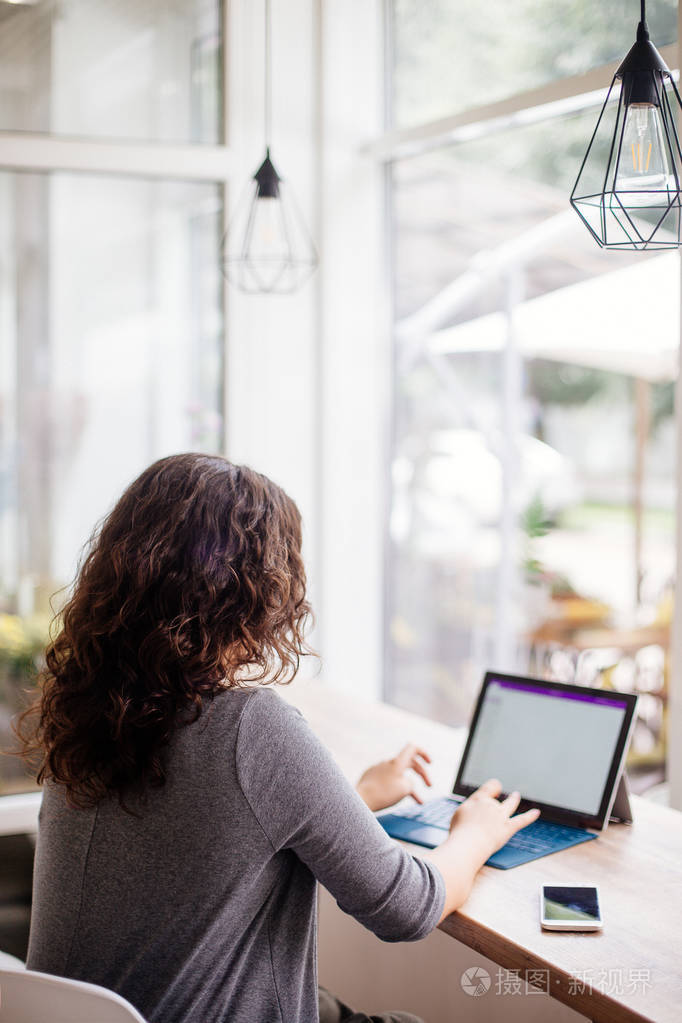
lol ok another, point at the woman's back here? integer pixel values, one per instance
(202, 908)
(199, 907)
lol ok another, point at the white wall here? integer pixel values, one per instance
(271, 340)
(307, 374)
(422, 977)
(355, 364)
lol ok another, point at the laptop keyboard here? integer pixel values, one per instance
(438, 813)
(538, 837)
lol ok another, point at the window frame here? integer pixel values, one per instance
(193, 162)
(566, 95)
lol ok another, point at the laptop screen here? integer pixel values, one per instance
(556, 745)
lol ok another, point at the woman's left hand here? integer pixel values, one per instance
(387, 783)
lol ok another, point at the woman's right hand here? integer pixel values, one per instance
(488, 822)
(479, 827)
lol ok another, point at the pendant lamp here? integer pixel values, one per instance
(267, 248)
(628, 189)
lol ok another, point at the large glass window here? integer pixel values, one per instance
(110, 347)
(532, 511)
(111, 296)
(449, 57)
(125, 69)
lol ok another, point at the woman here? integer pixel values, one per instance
(188, 810)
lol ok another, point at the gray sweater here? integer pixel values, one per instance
(203, 909)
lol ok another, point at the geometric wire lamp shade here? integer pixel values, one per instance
(628, 188)
(267, 247)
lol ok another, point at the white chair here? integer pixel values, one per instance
(30, 997)
(8, 962)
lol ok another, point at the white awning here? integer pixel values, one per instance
(627, 321)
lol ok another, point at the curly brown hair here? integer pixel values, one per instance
(193, 582)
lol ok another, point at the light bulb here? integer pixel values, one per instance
(266, 236)
(644, 167)
(266, 245)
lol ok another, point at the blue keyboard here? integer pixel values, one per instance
(428, 824)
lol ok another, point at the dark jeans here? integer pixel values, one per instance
(334, 1011)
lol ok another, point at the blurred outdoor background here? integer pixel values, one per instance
(533, 450)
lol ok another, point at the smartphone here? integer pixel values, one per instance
(570, 907)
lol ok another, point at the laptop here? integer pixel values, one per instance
(561, 746)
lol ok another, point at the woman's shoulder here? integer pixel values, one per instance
(255, 705)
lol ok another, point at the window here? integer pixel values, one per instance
(128, 70)
(449, 57)
(111, 296)
(532, 502)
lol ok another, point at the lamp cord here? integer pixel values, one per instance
(643, 6)
(267, 112)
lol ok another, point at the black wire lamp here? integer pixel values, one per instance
(628, 188)
(267, 248)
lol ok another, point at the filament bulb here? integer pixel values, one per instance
(266, 244)
(644, 166)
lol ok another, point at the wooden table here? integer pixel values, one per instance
(632, 970)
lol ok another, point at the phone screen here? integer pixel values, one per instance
(570, 903)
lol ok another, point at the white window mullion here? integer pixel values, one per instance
(227, 84)
(39, 152)
(563, 96)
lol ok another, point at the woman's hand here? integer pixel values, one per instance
(480, 826)
(388, 782)
(486, 821)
